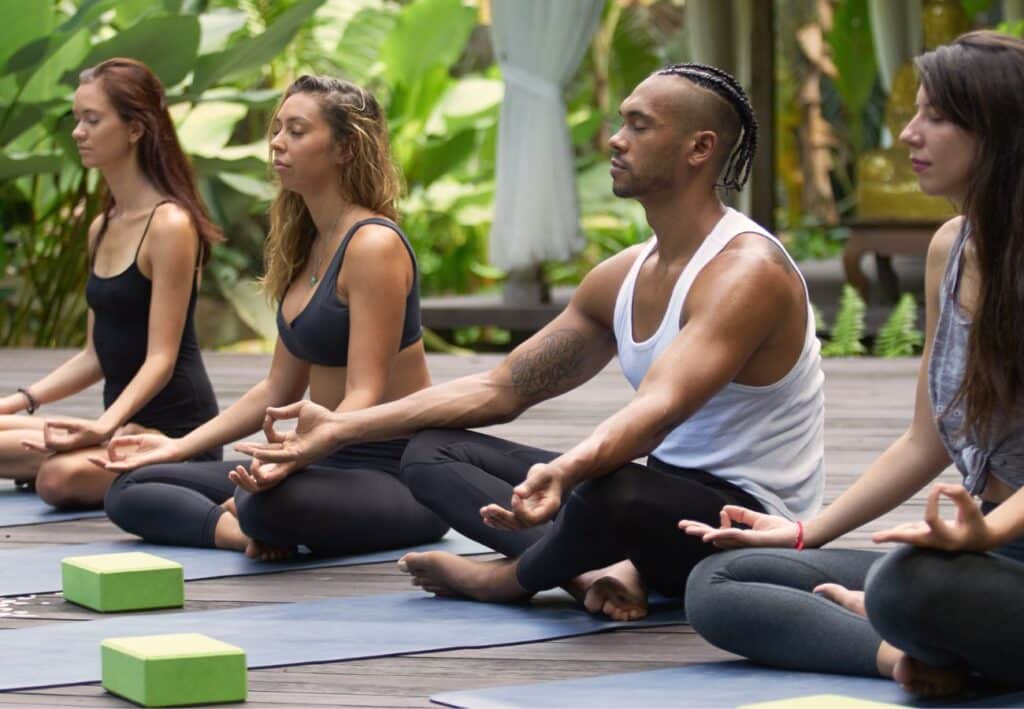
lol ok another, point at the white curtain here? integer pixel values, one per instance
(897, 34)
(539, 45)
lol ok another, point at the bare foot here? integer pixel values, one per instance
(445, 574)
(928, 681)
(852, 601)
(265, 552)
(619, 593)
(229, 506)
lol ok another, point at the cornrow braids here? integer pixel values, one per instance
(737, 167)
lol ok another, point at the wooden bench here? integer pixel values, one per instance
(885, 239)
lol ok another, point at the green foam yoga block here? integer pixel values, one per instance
(123, 582)
(172, 670)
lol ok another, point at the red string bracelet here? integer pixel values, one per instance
(799, 546)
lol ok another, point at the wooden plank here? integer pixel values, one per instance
(868, 405)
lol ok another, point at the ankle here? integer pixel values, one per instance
(887, 658)
(228, 534)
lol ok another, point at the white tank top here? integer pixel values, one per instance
(767, 440)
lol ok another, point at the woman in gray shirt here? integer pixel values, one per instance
(948, 603)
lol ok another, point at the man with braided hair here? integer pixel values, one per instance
(712, 325)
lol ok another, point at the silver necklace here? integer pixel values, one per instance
(320, 255)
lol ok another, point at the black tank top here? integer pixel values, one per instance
(120, 332)
(319, 334)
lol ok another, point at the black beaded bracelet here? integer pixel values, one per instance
(32, 403)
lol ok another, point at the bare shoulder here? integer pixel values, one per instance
(942, 243)
(172, 221)
(751, 272)
(372, 242)
(597, 292)
(752, 259)
(172, 234)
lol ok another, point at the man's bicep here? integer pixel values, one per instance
(570, 349)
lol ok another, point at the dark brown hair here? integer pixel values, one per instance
(977, 82)
(369, 178)
(137, 95)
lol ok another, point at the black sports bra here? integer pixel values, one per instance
(320, 333)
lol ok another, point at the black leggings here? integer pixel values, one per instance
(350, 502)
(628, 514)
(938, 607)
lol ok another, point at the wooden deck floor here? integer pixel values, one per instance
(868, 405)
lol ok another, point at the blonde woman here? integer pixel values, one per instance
(345, 278)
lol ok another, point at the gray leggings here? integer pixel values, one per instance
(941, 608)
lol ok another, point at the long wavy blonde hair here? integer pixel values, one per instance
(368, 178)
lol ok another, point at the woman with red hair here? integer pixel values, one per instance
(146, 249)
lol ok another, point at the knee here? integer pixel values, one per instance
(58, 481)
(703, 602)
(114, 500)
(618, 494)
(260, 514)
(419, 468)
(904, 588)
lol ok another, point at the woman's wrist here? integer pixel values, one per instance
(29, 403)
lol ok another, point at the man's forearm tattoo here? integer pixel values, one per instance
(547, 368)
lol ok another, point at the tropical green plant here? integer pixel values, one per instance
(848, 330)
(48, 199)
(899, 337)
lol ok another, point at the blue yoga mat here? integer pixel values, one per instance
(37, 569)
(718, 684)
(304, 632)
(22, 507)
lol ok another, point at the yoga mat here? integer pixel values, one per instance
(23, 507)
(37, 569)
(718, 684)
(305, 632)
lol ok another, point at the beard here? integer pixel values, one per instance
(637, 186)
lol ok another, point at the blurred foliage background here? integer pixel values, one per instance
(429, 62)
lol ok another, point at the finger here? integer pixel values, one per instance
(694, 529)
(282, 413)
(270, 453)
(116, 442)
(741, 515)
(98, 460)
(240, 477)
(36, 446)
(919, 534)
(965, 505)
(268, 430)
(498, 517)
(63, 424)
(931, 508)
(731, 538)
(725, 522)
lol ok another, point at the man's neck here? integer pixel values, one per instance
(682, 221)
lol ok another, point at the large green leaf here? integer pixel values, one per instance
(88, 12)
(466, 102)
(128, 12)
(429, 33)
(217, 27)
(12, 166)
(361, 40)
(23, 22)
(167, 45)
(49, 81)
(853, 54)
(208, 126)
(253, 52)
